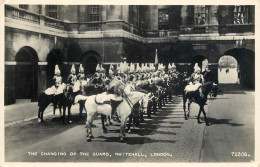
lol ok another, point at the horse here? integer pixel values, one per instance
(124, 109)
(95, 86)
(63, 100)
(45, 100)
(195, 96)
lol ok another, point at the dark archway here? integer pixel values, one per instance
(54, 57)
(26, 74)
(89, 61)
(246, 66)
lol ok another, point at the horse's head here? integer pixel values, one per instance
(214, 90)
(210, 87)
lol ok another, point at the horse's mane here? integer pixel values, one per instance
(207, 86)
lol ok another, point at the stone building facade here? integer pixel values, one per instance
(39, 36)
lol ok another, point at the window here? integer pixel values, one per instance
(163, 20)
(200, 14)
(94, 13)
(26, 7)
(240, 15)
(52, 11)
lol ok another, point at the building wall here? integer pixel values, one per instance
(111, 47)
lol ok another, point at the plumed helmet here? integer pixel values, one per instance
(57, 70)
(73, 70)
(81, 69)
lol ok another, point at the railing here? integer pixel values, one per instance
(21, 14)
(237, 28)
(54, 23)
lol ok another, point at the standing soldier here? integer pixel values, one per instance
(58, 86)
(81, 75)
(72, 78)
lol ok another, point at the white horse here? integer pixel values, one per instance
(123, 110)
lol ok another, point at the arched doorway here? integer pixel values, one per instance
(89, 61)
(201, 60)
(54, 57)
(245, 66)
(26, 74)
(228, 70)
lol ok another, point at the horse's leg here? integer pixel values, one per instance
(69, 112)
(198, 118)
(204, 113)
(130, 121)
(60, 106)
(54, 108)
(184, 106)
(170, 95)
(103, 117)
(40, 114)
(189, 103)
(149, 109)
(88, 127)
(141, 117)
(160, 103)
(109, 120)
(41, 111)
(64, 113)
(122, 128)
(81, 106)
(154, 107)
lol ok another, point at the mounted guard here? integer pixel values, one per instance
(196, 80)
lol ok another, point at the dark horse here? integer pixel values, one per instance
(194, 96)
(45, 100)
(62, 100)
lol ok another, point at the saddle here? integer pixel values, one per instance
(102, 99)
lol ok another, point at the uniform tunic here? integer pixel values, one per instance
(196, 82)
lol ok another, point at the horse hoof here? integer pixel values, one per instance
(110, 123)
(91, 137)
(199, 122)
(39, 120)
(186, 118)
(207, 124)
(122, 139)
(88, 139)
(70, 122)
(106, 124)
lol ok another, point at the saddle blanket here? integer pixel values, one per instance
(76, 86)
(192, 87)
(53, 91)
(105, 98)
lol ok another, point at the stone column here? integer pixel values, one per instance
(213, 17)
(184, 15)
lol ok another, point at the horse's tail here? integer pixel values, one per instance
(80, 97)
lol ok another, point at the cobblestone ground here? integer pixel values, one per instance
(167, 137)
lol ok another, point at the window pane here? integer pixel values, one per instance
(163, 19)
(24, 7)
